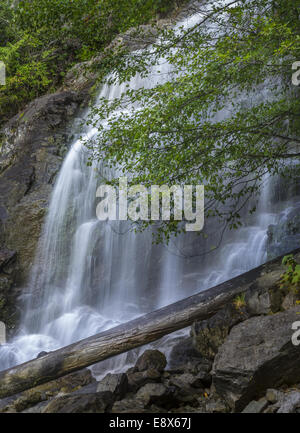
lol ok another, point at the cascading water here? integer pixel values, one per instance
(91, 275)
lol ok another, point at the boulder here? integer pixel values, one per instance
(32, 397)
(157, 394)
(256, 406)
(216, 406)
(186, 380)
(290, 403)
(258, 354)
(117, 384)
(151, 359)
(183, 353)
(80, 403)
(208, 335)
(200, 367)
(133, 405)
(258, 300)
(188, 388)
(137, 379)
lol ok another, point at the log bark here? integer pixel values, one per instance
(125, 337)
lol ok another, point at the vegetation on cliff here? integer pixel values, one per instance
(40, 40)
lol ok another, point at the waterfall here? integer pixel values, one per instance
(90, 275)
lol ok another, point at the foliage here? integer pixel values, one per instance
(93, 22)
(7, 28)
(32, 68)
(240, 301)
(41, 39)
(226, 114)
(291, 277)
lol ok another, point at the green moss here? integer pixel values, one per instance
(290, 279)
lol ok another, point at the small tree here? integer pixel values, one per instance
(226, 115)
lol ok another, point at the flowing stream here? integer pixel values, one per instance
(91, 275)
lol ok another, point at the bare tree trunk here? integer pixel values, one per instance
(125, 337)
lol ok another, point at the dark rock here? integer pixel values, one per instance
(204, 378)
(87, 389)
(129, 405)
(157, 394)
(82, 403)
(7, 302)
(209, 335)
(285, 235)
(257, 355)
(186, 380)
(41, 354)
(137, 379)
(117, 384)
(131, 370)
(38, 408)
(188, 388)
(133, 405)
(189, 409)
(258, 301)
(151, 359)
(200, 367)
(216, 406)
(6, 257)
(5, 283)
(32, 397)
(182, 353)
(290, 301)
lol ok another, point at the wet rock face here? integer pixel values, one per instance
(6, 258)
(7, 299)
(285, 235)
(31, 155)
(33, 144)
(209, 335)
(257, 354)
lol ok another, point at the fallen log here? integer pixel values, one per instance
(135, 333)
